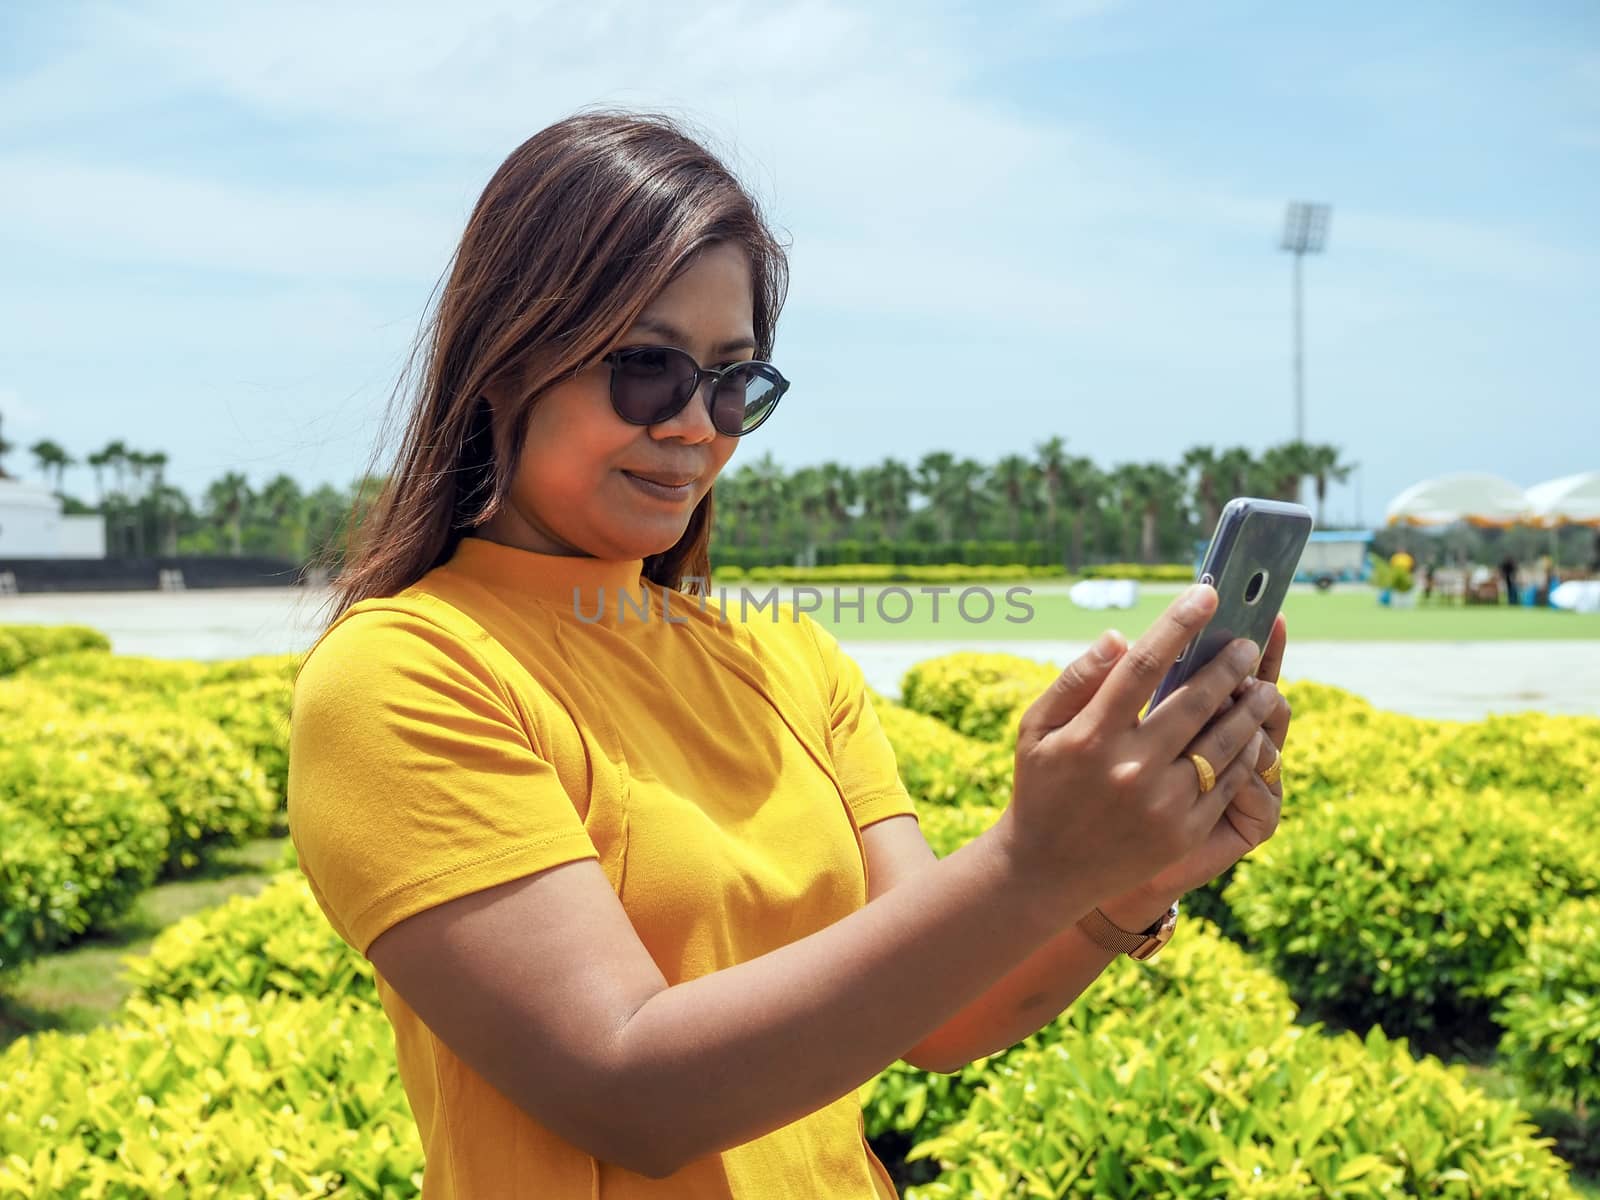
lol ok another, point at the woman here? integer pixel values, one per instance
(646, 898)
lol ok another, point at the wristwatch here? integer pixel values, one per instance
(1100, 930)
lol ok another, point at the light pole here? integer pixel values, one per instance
(1305, 231)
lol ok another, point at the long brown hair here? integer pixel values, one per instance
(576, 232)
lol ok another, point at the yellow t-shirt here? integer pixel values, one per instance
(487, 723)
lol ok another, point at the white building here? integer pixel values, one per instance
(33, 526)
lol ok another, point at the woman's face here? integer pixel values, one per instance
(573, 491)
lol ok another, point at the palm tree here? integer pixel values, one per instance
(50, 457)
(1052, 460)
(1015, 480)
(930, 474)
(1282, 468)
(278, 504)
(1083, 486)
(160, 493)
(768, 489)
(841, 489)
(962, 493)
(1237, 472)
(886, 494)
(1144, 491)
(5, 448)
(1206, 468)
(227, 500)
(807, 493)
(138, 463)
(1323, 465)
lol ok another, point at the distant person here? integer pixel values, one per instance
(1427, 580)
(1508, 571)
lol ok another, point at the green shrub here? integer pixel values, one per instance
(1144, 572)
(254, 712)
(1400, 913)
(947, 828)
(1549, 1006)
(277, 941)
(1196, 972)
(1199, 1103)
(41, 899)
(108, 827)
(942, 767)
(24, 644)
(980, 695)
(213, 789)
(222, 1096)
(158, 676)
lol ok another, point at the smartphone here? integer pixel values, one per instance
(1251, 562)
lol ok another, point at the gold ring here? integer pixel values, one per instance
(1208, 777)
(1274, 772)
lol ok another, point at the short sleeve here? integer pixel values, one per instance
(862, 753)
(412, 780)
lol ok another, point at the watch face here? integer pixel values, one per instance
(1159, 938)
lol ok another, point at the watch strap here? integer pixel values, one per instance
(1104, 932)
(1100, 930)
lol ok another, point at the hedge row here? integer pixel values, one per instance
(1409, 898)
(117, 771)
(1183, 1077)
(23, 644)
(222, 1095)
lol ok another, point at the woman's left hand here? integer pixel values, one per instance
(1250, 818)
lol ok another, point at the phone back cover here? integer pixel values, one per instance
(1254, 535)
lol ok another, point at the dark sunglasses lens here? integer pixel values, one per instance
(651, 385)
(746, 398)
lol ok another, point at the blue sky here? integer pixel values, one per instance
(220, 224)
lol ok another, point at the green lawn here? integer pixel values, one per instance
(1312, 616)
(81, 986)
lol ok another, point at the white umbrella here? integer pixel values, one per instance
(1476, 499)
(1570, 500)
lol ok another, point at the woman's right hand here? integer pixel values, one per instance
(1103, 797)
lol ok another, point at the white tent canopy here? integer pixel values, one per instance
(1570, 500)
(1476, 499)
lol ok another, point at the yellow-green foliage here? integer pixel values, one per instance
(277, 941)
(942, 767)
(1549, 1005)
(220, 1096)
(1182, 1102)
(1400, 912)
(980, 695)
(141, 676)
(1144, 572)
(946, 830)
(254, 1059)
(97, 838)
(1415, 854)
(881, 573)
(1200, 971)
(23, 644)
(254, 712)
(213, 789)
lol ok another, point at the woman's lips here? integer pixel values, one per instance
(661, 491)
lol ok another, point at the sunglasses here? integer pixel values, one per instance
(650, 384)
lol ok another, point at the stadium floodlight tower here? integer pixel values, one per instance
(1305, 231)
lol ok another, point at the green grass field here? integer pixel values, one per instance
(1312, 616)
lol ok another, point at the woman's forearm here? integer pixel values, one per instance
(720, 1060)
(1034, 994)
